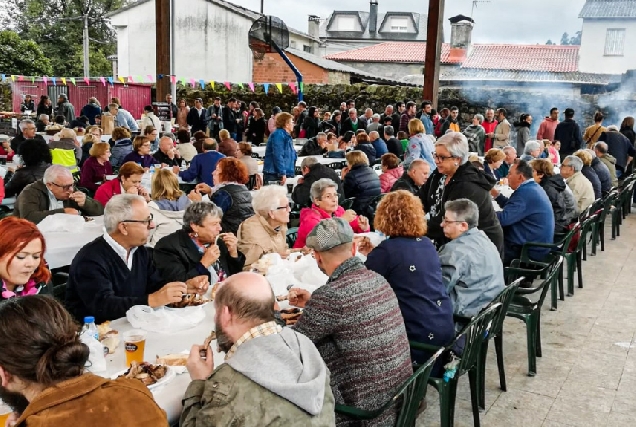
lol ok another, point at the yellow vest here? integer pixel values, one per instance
(65, 158)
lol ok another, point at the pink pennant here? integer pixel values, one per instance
(228, 85)
(103, 80)
(130, 79)
(193, 82)
(21, 78)
(150, 78)
(251, 86)
(173, 80)
(292, 86)
(45, 80)
(87, 81)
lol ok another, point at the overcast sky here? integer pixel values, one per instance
(497, 21)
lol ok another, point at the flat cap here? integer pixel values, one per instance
(328, 234)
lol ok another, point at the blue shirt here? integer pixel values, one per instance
(380, 148)
(202, 167)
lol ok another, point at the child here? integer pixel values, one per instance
(404, 140)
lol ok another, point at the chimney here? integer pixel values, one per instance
(461, 34)
(313, 26)
(373, 17)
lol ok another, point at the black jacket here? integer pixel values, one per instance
(311, 148)
(368, 149)
(18, 140)
(310, 125)
(326, 127)
(603, 174)
(178, 259)
(23, 177)
(337, 126)
(395, 146)
(229, 119)
(43, 109)
(347, 125)
(618, 145)
(240, 210)
(467, 183)
(162, 157)
(569, 134)
(198, 122)
(554, 187)
(629, 133)
(27, 106)
(591, 175)
(302, 195)
(364, 184)
(40, 126)
(405, 182)
(256, 130)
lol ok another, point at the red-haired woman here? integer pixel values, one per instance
(230, 193)
(22, 267)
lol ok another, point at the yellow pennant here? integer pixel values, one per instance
(121, 79)
(280, 87)
(212, 83)
(63, 80)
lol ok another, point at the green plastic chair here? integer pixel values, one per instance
(523, 307)
(292, 235)
(347, 203)
(474, 334)
(408, 397)
(598, 231)
(625, 195)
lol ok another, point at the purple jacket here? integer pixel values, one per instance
(144, 161)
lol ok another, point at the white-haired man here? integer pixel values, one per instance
(581, 186)
(28, 130)
(55, 193)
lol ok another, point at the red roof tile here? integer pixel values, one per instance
(557, 59)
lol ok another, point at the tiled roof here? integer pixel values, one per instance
(408, 52)
(467, 74)
(609, 9)
(482, 56)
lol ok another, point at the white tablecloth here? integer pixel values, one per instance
(61, 247)
(506, 191)
(260, 150)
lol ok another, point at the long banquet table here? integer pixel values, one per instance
(62, 246)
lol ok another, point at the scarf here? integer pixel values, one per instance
(29, 288)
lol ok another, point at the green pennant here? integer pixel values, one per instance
(73, 81)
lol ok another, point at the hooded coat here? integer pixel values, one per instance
(364, 184)
(523, 135)
(564, 213)
(609, 161)
(603, 173)
(167, 216)
(467, 183)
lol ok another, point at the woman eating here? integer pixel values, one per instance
(42, 366)
(230, 193)
(457, 178)
(128, 181)
(391, 171)
(266, 231)
(96, 167)
(324, 197)
(199, 248)
(409, 262)
(360, 181)
(493, 160)
(141, 153)
(22, 267)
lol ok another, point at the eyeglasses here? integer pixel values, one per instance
(448, 221)
(147, 221)
(64, 187)
(329, 196)
(286, 207)
(437, 157)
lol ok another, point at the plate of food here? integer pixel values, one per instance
(290, 315)
(151, 375)
(189, 300)
(108, 337)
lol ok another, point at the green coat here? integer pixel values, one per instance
(229, 398)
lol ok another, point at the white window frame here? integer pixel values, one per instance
(399, 25)
(615, 42)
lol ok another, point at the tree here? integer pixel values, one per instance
(575, 40)
(550, 43)
(22, 57)
(565, 39)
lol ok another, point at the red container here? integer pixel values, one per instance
(133, 97)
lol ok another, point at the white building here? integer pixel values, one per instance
(608, 36)
(210, 40)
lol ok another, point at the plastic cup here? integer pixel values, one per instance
(5, 411)
(134, 345)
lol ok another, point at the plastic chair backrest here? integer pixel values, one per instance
(292, 235)
(551, 271)
(475, 333)
(504, 298)
(586, 227)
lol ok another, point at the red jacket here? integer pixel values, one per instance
(488, 128)
(309, 217)
(107, 190)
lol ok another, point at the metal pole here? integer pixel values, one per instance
(262, 1)
(85, 46)
(173, 86)
(290, 64)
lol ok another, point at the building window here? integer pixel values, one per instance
(346, 23)
(399, 25)
(615, 42)
(292, 44)
(306, 48)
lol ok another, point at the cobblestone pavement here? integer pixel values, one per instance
(587, 375)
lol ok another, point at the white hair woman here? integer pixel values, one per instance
(265, 232)
(457, 178)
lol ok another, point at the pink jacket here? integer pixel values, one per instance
(388, 178)
(546, 129)
(309, 217)
(107, 190)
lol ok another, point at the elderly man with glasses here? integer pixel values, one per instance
(28, 130)
(581, 187)
(115, 272)
(55, 193)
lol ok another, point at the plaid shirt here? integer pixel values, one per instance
(262, 330)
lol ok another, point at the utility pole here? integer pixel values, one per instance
(433, 50)
(262, 4)
(163, 25)
(85, 45)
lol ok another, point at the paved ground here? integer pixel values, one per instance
(587, 375)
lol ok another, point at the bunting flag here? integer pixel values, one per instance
(292, 86)
(228, 85)
(130, 79)
(87, 81)
(202, 83)
(251, 85)
(280, 87)
(183, 81)
(266, 88)
(139, 79)
(193, 82)
(73, 81)
(44, 79)
(121, 79)
(101, 79)
(20, 78)
(32, 79)
(173, 80)
(302, 87)
(54, 80)
(149, 77)
(3, 77)
(212, 84)
(12, 78)
(110, 80)
(63, 80)
(240, 85)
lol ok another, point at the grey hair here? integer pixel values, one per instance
(575, 162)
(321, 135)
(592, 153)
(267, 198)
(118, 209)
(55, 171)
(480, 118)
(169, 135)
(376, 116)
(601, 147)
(374, 133)
(531, 146)
(26, 122)
(308, 162)
(507, 148)
(612, 128)
(43, 116)
(319, 187)
(418, 162)
(465, 210)
(456, 144)
(353, 110)
(197, 212)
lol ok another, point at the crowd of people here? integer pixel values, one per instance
(448, 232)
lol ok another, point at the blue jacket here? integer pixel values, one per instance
(472, 271)
(126, 120)
(280, 156)
(428, 124)
(526, 217)
(364, 184)
(121, 149)
(91, 111)
(412, 268)
(202, 167)
(380, 148)
(420, 147)
(495, 174)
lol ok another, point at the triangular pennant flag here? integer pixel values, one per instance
(251, 85)
(292, 86)
(202, 83)
(3, 77)
(149, 77)
(130, 79)
(228, 85)
(173, 79)
(193, 82)
(266, 87)
(20, 78)
(240, 85)
(139, 79)
(121, 79)
(12, 78)
(110, 80)
(302, 87)
(280, 87)
(103, 80)
(87, 80)
(73, 81)
(32, 79)
(212, 84)
(63, 80)
(44, 79)
(54, 80)
(183, 81)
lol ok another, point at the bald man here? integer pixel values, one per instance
(167, 154)
(271, 375)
